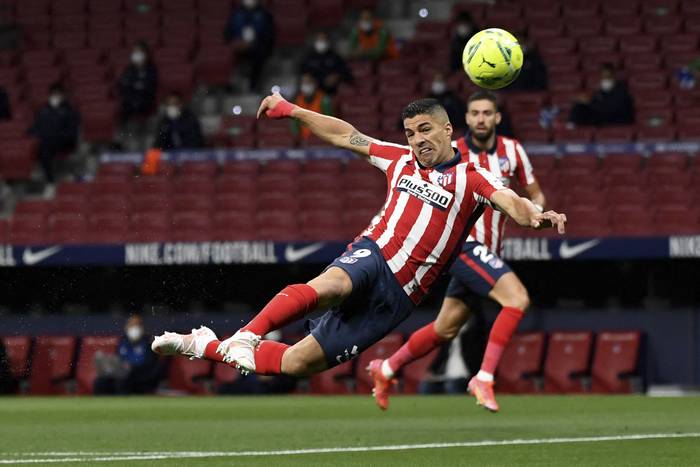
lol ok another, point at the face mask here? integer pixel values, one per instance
(463, 30)
(55, 100)
(248, 34)
(607, 84)
(366, 26)
(250, 3)
(173, 112)
(438, 87)
(134, 333)
(321, 46)
(138, 57)
(307, 89)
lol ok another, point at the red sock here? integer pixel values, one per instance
(419, 344)
(210, 351)
(503, 328)
(293, 302)
(268, 357)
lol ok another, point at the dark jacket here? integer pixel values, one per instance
(182, 133)
(533, 74)
(56, 127)
(137, 88)
(259, 19)
(322, 65)
(613, 107)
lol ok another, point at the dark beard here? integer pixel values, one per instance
(483, 138)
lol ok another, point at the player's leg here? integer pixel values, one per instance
(453, 314)
(293, 302)
(511, 294)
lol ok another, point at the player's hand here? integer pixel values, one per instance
(275, 106)
(548, 219)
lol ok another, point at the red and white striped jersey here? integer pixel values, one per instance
(427, 214)
(507, 159)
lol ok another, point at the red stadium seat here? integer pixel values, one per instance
(109, 204)
(568, 355)
(110, 186)
(671, 162)
(159, 185)
(28, 229)
(41, 207)
(85, 369)
(150, 227)
(234, 225)
(285, 167)
(681, 42)
(279, 182)
(663, 25)
(641, 62)
(621, 8)
(574, 135)
(52, 364)
(414, 373)
(614, 134)
(189, 376)
(68, 228)
(291, 29)
(598, 45)
(17, 349)
(522, 360)
(658, 134)
(17, 159)
(615, 360)
(244, 168)
(191, 226)
(382, 349)
(108, 227)
(236, 184)
(562, 66)
(623, 26)
(336, 380)
(586, 162)
(99, 121)
(591, 27)
(321, 199)
(325, 13)
(638, 44)
(326, 167)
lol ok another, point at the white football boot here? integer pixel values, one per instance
(239, 350)
(188, 345)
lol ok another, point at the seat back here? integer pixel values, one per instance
(616, 354)
(52, 364)
(568, 353)
(85, 368)
(522, 357)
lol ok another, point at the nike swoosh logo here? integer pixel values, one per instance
(30, 258)
(292, 254)
(566, 251)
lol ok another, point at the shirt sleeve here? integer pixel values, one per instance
(483, 184)
(524, 170)
(382, 154)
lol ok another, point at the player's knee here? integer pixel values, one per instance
(333, 286)
(294, 363)
(447, 333)
(519, 299)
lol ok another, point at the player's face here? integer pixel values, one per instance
(482, 118)
(430, 139)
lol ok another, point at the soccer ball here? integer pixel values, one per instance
(492, 58)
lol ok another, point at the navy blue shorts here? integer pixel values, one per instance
(475, 270)
(375, 307)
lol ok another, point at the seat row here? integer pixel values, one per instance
(565, 362)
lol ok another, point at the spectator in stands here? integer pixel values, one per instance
(533, 74)
(135, 369)
(370, 39)
(5, 110)
(179, 128)
(8, 384)
(310, 96)
(56, 125)
(138, 84)
(455, 107)
(610, 105)
(324, 64)
(252, 31)
(463, 30)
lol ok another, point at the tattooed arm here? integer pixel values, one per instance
(330, 129)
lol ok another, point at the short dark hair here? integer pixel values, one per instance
(427, 106)
(483, 95)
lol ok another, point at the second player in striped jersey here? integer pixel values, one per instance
(478, 269)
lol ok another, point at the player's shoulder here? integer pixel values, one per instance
(379, 147)
(507, 140)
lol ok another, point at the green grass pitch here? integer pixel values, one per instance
(214, 431)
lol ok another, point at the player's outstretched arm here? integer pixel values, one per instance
(524, 212)
(333, 130)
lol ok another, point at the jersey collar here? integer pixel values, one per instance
(443, 166)
(472, 147)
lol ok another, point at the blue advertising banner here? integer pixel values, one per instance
(264, 252)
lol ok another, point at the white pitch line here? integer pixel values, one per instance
(144, 456)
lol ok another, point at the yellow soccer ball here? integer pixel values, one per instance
(492, 58)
